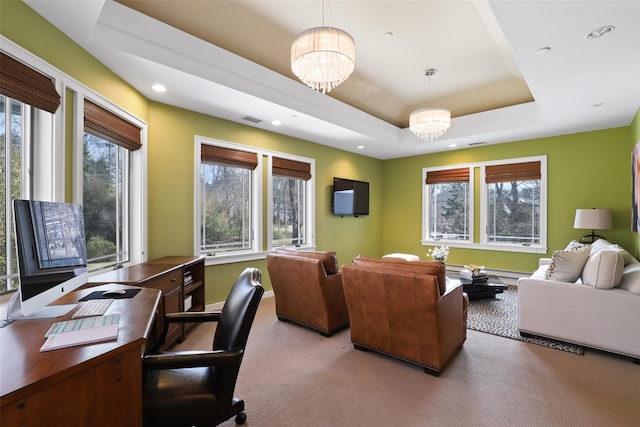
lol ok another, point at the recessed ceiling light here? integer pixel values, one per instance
(599, 104)
(599, 32)
(388, 34)
(159, 88)
(276, 122)
(543, 50)
(360, 147)
(452, 145)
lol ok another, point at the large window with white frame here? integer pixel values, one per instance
(28, 101)
(109, 141)
(513, 201)
(32, 131)
(448, 204)
(511, 210)
(232, 221)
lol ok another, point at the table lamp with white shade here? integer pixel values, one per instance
(594, 219)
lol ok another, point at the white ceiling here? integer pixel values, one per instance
(230, 59)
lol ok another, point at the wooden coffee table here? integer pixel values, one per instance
(485, 290)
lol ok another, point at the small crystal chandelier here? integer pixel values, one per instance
(323, 57)
(430, 122)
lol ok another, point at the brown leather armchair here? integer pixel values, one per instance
(308, 289)
(405, 310)
(196, 387)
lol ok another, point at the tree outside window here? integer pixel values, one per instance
(288, 211)
(104, 189)
(514, 212)
(225, 195)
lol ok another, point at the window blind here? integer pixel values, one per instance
(513, 172)
(228, 156)
(106, 125)
(291, 168)
(24, 84)
(449, 175)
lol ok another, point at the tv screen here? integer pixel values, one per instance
(52, 254)
(350, 197)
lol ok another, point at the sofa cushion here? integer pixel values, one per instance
(631, 278)
(603, 270)
(329, 258)
(566, 266)
(435, 268)
(574, 244)
(604, 245)
(406, 257)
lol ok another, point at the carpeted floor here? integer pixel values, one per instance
(294, 377)
(499, 316)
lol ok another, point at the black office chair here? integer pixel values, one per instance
(195, 388)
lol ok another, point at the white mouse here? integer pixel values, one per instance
(114, 292)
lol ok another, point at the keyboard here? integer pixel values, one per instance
(91, 308)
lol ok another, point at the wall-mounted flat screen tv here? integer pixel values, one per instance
(350, 197)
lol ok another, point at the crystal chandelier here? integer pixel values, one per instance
(430, 122)
(323, 57)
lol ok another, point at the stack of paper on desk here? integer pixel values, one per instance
(81, 331)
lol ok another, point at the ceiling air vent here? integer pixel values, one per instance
(251, 119)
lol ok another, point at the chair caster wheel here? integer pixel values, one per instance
(241, 418)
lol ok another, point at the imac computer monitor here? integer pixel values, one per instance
(52, 256)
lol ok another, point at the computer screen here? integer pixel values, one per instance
(52, 254)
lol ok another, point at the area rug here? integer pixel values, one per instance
(499, 316)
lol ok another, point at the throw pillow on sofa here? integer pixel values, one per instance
(603, 270)
(631, 278)
(604, 245)
(566, 266)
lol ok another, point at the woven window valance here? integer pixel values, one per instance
(228, 156)
(291, 168)
(513, 172)
(449, 175)
(24, 84)
(106, 125)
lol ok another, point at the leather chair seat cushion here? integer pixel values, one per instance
(434, 268)
(329, 258)
(179, 396)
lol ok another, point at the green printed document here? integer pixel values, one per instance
(81, 331)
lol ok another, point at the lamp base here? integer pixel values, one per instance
(590, 238)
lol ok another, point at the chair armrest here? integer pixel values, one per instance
(193, 317)
(191, 359)
(544, 261)
(182, 317)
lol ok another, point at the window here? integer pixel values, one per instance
(233, 224)
(14, 163)
(448, 205)
(511, 209)
(513, 203)
(107, 142)
(27, 99)
(289, 202)
(32, 130)
(226, 200)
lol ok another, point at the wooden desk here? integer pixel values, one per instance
(168, 275)
(91, 385)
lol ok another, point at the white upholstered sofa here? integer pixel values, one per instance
(585, 295)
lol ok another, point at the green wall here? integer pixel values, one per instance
(584, 170)
(171, 186)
